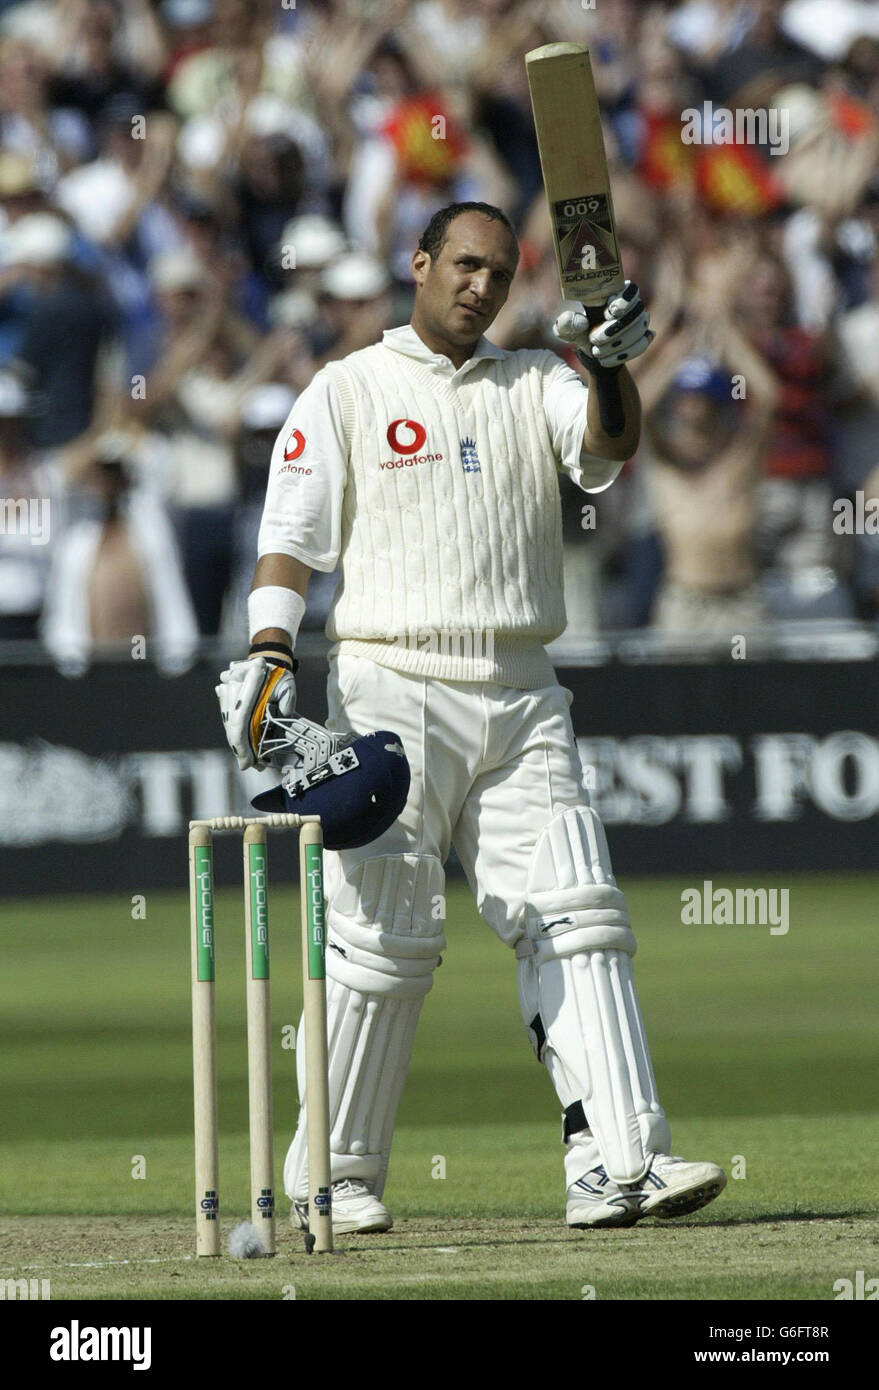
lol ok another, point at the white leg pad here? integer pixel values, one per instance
(383, 944)
(578, 1000)
(573, 902)
(383, 932)
(595, 1049)
(370, 1046)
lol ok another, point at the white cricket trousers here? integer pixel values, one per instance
(491, 767)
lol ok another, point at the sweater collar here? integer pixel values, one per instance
(407, 341)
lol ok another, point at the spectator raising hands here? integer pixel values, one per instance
(200, 198)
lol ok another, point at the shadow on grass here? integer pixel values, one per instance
(770, 1218)
(476, 1234)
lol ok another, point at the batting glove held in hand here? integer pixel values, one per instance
(246, 690)
(609, 335)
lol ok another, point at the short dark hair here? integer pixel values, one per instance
(433, 238)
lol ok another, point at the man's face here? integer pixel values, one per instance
(461, 292)
(178, 306)
(697, 429)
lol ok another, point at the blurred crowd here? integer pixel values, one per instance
(203, 201)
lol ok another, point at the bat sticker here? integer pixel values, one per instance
(585, 234)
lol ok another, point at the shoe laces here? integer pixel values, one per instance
(350, 1187)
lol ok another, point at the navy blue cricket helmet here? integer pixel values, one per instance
(356, 783)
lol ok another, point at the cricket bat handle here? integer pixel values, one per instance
(605, 380)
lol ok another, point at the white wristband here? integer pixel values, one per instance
(274, 606)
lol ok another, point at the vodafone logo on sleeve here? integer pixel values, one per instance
(407, 437)
(293, 448)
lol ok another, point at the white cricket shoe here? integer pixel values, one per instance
(670, 1187)
(354, 1209)
(595, 1200)
(674, 1187)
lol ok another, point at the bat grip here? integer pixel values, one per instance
(606, 381)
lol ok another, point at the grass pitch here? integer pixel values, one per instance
(764, 1049)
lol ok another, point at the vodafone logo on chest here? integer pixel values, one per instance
(407, 438)
(294, 447)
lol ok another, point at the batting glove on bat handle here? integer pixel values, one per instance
(246, 691)
(607, 336)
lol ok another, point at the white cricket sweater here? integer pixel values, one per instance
(436, 491)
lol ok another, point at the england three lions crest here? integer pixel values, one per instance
(469, 457)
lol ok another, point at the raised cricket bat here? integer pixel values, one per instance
(574, 166)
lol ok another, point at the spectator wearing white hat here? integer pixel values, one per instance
(338, 305)
(308, 245)
(354, 305)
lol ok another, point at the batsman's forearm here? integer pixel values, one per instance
(613, 415)
(283, 570)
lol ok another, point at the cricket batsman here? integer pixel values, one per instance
(426, 468)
